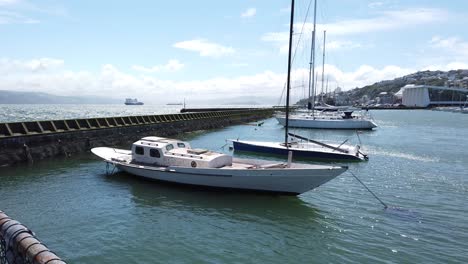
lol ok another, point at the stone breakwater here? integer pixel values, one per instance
(26, 142)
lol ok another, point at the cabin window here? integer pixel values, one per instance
(181, 145)
(155, 153)
(139, 151)
(169, 147)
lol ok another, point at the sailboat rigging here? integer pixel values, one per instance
(309, 149)
(288, 84)
(323, 65)
(311, 119)
(175, 161)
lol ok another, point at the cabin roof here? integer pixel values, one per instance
(158, 139)
(160, 142)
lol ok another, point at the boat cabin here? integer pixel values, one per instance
(165, 152)
(347, 115)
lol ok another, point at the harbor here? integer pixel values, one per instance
(233, 136)
(417, 166)
(27, 141)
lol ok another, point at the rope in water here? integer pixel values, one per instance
(385, 205)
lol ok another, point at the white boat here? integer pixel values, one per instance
(316, 118)
(310, 149)
(175, 161)
(341, 120)
(464, 109)
(130, 101)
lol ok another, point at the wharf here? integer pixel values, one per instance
(393, 108)
(198, 110)
(22, 142)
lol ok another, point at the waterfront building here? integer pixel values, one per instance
(427, 95)
(386, 98)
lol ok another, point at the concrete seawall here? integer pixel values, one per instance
(23, 142)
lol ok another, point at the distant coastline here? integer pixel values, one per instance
(14, 97)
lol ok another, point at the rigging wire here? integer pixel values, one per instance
(297, 45)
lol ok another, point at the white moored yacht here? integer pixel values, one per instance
(344, 120)
(175, 161)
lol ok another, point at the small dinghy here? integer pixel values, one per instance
(175, 161)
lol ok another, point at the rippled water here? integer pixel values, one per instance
(32, 112)
(418, 165)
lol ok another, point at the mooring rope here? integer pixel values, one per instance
(359, 138)
(107, 168)
(385, 206)
(222, 147)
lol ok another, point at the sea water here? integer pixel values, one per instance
(418, 166)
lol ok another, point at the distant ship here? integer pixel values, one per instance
(177, 103)
(130, 101)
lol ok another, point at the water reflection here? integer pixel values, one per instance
(230, 203)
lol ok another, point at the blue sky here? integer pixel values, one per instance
(219, 50)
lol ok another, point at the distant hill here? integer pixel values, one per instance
(458, 78)
(14, 97)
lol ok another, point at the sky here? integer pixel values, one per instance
(221, 51)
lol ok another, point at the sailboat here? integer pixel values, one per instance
(301, 147)
(172, 160)
(312, 119)
(464, 109)
(338, 120)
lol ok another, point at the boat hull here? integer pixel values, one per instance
(297, 179)
(291, 182)
(297, 153)
(361, 124)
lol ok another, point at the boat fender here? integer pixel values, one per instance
(193, 164)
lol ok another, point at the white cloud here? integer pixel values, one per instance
(205, 48)
(365, 75)
(239, 65)
(386, 21)
(24, 12)
(171, 66)
(111, 81)
(50, 75)
(456, 65)
(35, 65)
(275, 36)
(342, 44)
(453, 45)
(8, 2)
(444, 53)
(440, 42)
(250, 12)
(10, 17)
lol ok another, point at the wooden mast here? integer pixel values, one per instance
(288, 85)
